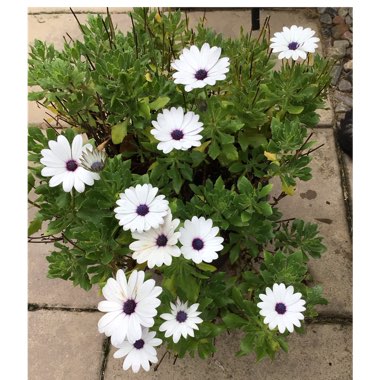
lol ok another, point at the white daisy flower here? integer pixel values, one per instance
(198, 68)
(177, 130)
(62, 164)
(158, 245)
(281, 308)
(199, 240)
(182, 320)
(140, 209)
(294, 42)
(93, 159)
(140, 352)
(129, 305)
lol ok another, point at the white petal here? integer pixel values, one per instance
(68, 181)
(76, 147)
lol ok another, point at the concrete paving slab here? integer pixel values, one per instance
(53, 292)
(320, 201)
(323, 353)
(229, 22)
(326, 115)
(63, 10)
(64, 345)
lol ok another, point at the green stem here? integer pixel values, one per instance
(73, 201)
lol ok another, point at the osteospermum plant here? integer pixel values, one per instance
(155, 180)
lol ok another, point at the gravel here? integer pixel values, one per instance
(337, 37)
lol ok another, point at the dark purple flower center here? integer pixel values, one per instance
(129, 307)
(280, 308)
(201, 74)
(139, 344)
(177, 134)
(181, 316)
(71, 165)
(198, 244)
(142, 210)
(97, 166)
(293, 46)
(162, 240)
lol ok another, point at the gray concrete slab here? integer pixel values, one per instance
(64, 345)
(320, 201)
(229, 23)
(326, 115)
(63, 10)
(53, 292)
(323, 353)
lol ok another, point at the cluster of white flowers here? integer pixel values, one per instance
(130, 308)
(196, 68)
(141, 210)
(131, 305)
(77, 165)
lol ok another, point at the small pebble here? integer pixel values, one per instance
(350, 11)
(341, 107)
(336, 52)
(321, 10)
(326, 31)
(343, 97)
(347, 35)
(348, 65)
(349, 52)
(343, 12)
(338, 20)
(344, 85)
(335, 74)
(331, 11)
(341, 44)
(348, 20)
(325, 19)
(338, 30)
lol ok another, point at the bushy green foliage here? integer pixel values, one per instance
(111, 86)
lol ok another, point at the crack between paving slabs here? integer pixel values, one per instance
(320, 319)
(345, 184)
(105, 354)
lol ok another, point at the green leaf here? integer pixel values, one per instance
(234, 321)
(144, 110)
(237, 297)
(236, 167)
(263, 192)
(225, 138)
(251, 138)
(247, 344)
(206, 267)
(230, 151)
(295, 110)
(245, 186)
(56, 226)
(214, 150)
(265, 208)
(159, 103)
(35, 225)
(119, 131)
